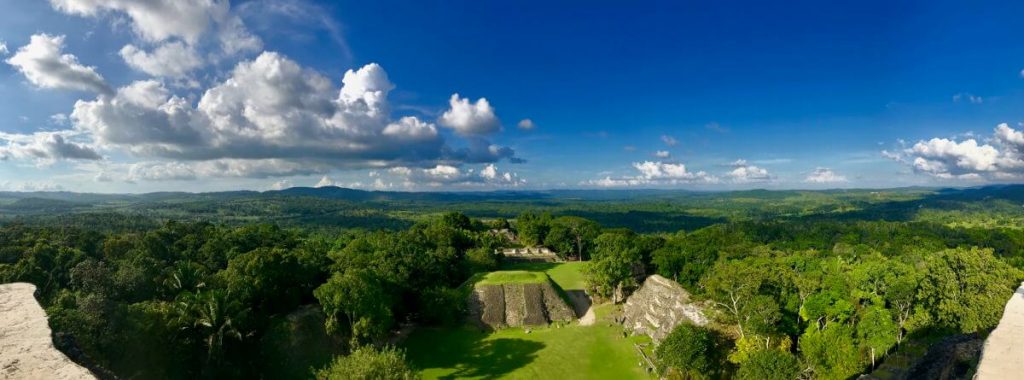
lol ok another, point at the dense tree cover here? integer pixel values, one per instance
(191, 300)
(842, 296)
(367, 363)
(691, 352)
(768, 364)
(203, 300)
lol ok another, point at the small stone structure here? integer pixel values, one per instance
(528, 254)
(1003, 354)
(514, 305)
(26, 347)
(659, 306)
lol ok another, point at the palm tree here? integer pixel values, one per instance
(212, 315)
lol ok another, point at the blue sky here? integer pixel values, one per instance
(196, 95)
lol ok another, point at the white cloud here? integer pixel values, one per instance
(155, 21)
(325, 182)
(743, 172)
(999, 160)
(662, 154)
(223, 168)
(526, 125)
(281, 185)
(173, 59)
(59, 119)
(273, 108)
(669, 140)
(824, 175)
(470, 118)
(30, 186)
(447, 175)
(44, 148)
(3, 48)
(45, 65)
(653, 173)
(965, 156)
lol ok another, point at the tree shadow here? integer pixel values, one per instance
(495, 358)
(469, 353)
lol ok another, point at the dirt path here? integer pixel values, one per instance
(583, 307)
(26, 348)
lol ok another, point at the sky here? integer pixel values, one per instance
(130, 96)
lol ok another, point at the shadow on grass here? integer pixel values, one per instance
(468, 353)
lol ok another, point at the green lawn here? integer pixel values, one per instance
(569, 352)
(568, 276)
(512, 277)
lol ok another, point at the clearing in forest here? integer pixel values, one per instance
(573, 351)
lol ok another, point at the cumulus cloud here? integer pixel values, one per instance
(662, 154)
(669, 140)
(45, 65)
(325, 182)
(271, 107)
(3, 48)
(281, 185)
(173, 60)
(469, 118)
(44, 148)
(1002, 158)
(743, 172)
(655, 173)
(223, 168)
(158, 21)
(447, 175)
(526, 125)
(269, 117)
(824, 175)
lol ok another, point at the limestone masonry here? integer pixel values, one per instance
(659, 306)
(1003, 354)
(26, 347)
(513, 305)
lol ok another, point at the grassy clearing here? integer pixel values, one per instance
(569, 352)
(512, 277)
(568, 276)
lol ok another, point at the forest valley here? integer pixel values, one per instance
(802, 284)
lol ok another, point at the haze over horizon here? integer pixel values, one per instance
(210, 95)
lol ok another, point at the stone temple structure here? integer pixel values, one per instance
(514, 304)
(659, 306)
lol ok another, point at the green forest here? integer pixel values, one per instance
(320, 283)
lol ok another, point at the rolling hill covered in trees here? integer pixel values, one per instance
(316, 282)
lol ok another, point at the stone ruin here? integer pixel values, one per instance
(528, 254)
(659, 306)
(26, 344)
(514, 305)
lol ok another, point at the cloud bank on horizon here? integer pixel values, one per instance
(208, 99)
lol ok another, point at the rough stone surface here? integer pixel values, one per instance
(1003, 354)
(950, 359)
(659, 306)
(26, 346)
(514, 305)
